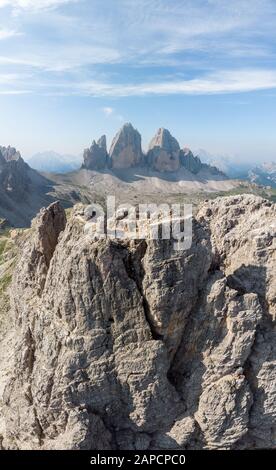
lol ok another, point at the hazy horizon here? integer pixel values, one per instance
(72, 70)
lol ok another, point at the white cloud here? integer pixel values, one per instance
(142, 31)
(7, 33)
(10, 78)
(106, 48)
(221, 82)
(108, 111)
(62, 58)
(33, 4)
(14, 92)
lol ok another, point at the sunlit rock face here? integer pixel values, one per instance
(126, 150)
(129, 344)
(163, 153)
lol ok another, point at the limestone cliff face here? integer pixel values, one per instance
(189, 161)
(132, 345)
(163, 154)
(126, 151)
(95, 158)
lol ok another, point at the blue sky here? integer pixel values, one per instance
(71, 70)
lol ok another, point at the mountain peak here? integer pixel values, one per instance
(126, 149)
(95, 158)
(163, 154)
(10, 154)
(164, 140)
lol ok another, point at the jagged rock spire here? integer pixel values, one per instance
(163, 154)
(189, 161)
(95, 158)
(126, 150)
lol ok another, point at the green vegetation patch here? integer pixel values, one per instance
(5, 281)
(3, 243)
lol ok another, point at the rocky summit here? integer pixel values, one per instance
(129, 344)
(95, 158)
(126, 150)
(163, 156)
(14, 176)
(22, 189)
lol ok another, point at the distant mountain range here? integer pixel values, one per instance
(53, 162)
(125, 171)
(263, 174)
(164, 171)
(164, 154)
(96, 158)
(224, 163)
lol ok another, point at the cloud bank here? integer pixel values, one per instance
(146, 47)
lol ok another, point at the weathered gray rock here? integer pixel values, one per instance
(95, 158)
(189, 161)
(125, 150)
(129, 344)
(2, 159)
(102, 143)
(23, 191)
(163, 153)
(10, 153)
(14, 178)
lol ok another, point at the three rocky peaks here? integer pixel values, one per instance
(164, 153)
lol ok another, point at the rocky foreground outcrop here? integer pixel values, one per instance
(132, 345)
(164, 154)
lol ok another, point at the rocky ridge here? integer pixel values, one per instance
(22, 189)
(126, 150)
(163, 155)
(14, 177)
(96, 156)
(129, 344)
(264, 174)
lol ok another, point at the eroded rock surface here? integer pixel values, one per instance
(163, 154)
(95, 158)
(23, 191)
(126, 151)
(132, 345)
(189, 161)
